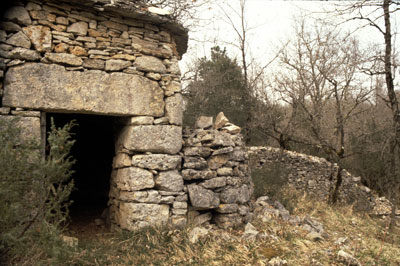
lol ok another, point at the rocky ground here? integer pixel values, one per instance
(311, 233)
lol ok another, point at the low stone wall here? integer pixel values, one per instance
(216, 173)
(317, 177)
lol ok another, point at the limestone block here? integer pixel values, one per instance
(180, 205)
(204, 122)
(147, 196)
(214, 183)
(141, 120)
(62, 21)
(40, 36)
(223, 151)
(19, 39)
(133, 216)
(133, 178)
(114, 25)
(18, 14)
(234, 195)
(153, 76)
(64, 58)
(227, 208)
(3, 35)
(172, 88)
(174, 109)
(29, 126)
(161, 162)
(231, 129)
(183, 197)
(220, 120)
(24, 54)
(26, 113)
(173, 68)
(150, 64)
(238, 155)
(222, 139)
(179, 211)
(168, 199)
(78, 51)
(52, 87)
(197, 151)
(215, 162)
(85, 39)
(122, 160)
(61, 48)
(191, 174)
(124, 57)
(178, 221)
(224, 171)
(93, 64)
(201, 198)
(32, 6)
(5, 110)
(199, 219)
(243, 210)
(169, 181)
(116, 65)
(10, 26)
(197, 163)
(157, 138)
(228, 220)
(78, 28)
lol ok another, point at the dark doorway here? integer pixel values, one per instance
(93, 152)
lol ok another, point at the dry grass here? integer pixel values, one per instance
(368, 240)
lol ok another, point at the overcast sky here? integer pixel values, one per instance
(272, 23)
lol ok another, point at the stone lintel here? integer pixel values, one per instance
(51, 87)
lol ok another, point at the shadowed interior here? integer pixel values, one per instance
(93, 152)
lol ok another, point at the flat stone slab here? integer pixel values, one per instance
(51, 87)
(157, 139)
(133, 216)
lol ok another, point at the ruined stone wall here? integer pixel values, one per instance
(317, 177)
(216, 173)
(107, 58)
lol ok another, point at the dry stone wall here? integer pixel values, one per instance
(109, 58)
(318, 177)
(216, 173)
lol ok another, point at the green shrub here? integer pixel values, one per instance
(272, 180)
(269, 180)
(34, 192)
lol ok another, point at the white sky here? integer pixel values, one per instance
(272, 22)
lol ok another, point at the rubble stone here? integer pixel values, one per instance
(40, 37)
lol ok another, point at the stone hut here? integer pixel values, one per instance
(112, 65)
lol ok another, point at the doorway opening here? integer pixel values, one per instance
(93, 151)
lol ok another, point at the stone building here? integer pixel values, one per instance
(112, 65)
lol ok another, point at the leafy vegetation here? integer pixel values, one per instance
(34, 192)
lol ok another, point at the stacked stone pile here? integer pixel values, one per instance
(216, 173)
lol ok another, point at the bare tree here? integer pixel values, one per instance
(183, 11)
(236, 18)
(320, 84)
(378, 14)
